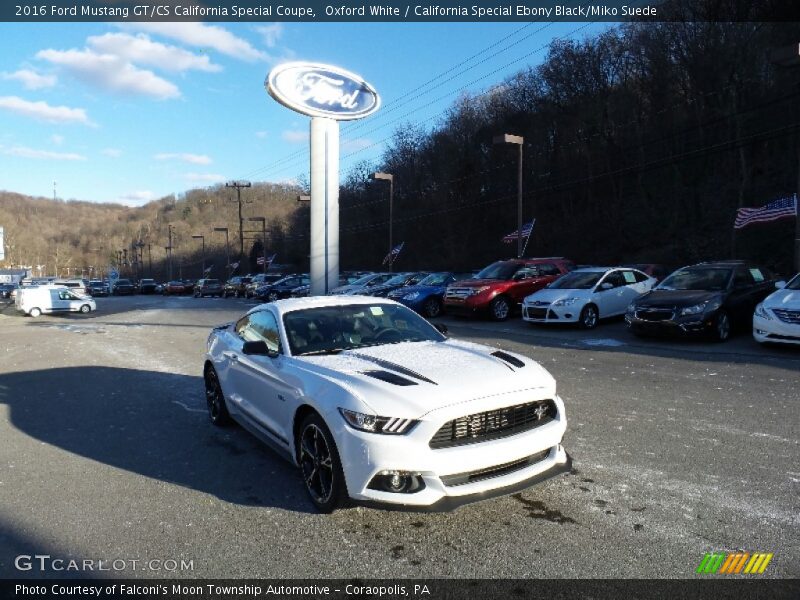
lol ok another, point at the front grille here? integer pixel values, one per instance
(494, 424)
(536, 313)
(496, 471)
(654, 314)
(459, 293)
(787, 316)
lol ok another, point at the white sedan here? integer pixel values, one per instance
(777, 318)
(585, 296)
(376, 405)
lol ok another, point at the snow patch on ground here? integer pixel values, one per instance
(607, 342)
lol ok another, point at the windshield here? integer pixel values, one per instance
(123, 282)
(365, 279)
(331, 329)
(577, 280)
(499, 270)
(397, 279)
(794, 284)
(435, 279)
(699, 279)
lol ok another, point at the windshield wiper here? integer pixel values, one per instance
(329, 351)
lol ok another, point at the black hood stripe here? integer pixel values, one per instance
(394, 367)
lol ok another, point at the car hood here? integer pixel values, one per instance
(676, 298)
(422, 289)
(549, 296)
(442, 374)
(347, 289)
(784, 299)
(473, 283)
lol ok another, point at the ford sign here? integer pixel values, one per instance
(322, 91)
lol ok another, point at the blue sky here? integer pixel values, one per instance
(130, 113)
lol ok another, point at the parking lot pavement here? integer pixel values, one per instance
(680, 448)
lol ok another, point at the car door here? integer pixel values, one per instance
(611, 301)
(635, 285)
(741, 301)
(59, 300)
(257, 384)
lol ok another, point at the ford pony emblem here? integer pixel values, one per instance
(322, 91)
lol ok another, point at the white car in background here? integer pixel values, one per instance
(777, 318)
(376, 405)
(49, 299)
(585, 296)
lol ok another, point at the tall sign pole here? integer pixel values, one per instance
(327, 94)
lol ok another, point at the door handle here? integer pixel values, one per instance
(231, 356)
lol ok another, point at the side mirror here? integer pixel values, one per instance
(780, 285)
(441, 328)
(258, 348)
(606, 286)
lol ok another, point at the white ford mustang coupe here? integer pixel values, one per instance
(378, 407)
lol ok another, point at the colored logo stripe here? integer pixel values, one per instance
(734, 563)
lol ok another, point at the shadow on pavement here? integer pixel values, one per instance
(152, 424)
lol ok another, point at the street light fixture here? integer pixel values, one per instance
(263, 238)
(227, 248)
(390, 178)
(202, 237)
(519, 140)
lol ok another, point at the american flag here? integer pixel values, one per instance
(393, 254)
(526, 232)
(269, 260)
(234, 266)
(208, 270)
(785, 207)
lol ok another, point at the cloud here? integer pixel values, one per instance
(270, 33)
(262, 134)
(195, 159)
(111, 73)
(141, 49)
(31, 79)
(112, 152)
(43, 111)
(295, 136)
(56, 139)
(204, 177)
(201, 35)
(25, 152)
(137, 198)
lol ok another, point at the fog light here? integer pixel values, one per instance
(397, 482)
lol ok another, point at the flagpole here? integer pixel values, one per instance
(527, 239)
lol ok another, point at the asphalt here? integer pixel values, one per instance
(680, 448)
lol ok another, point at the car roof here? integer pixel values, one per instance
(291, 304)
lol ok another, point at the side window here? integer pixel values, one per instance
(615, 279)
(549, 269)
(262, 326)
(628, 277)
(742, 279)
(241, 325)
(639, 276)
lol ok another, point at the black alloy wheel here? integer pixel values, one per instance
(320, 465)
(217, 411)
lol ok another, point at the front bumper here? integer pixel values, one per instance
(681, 326)
(775, 331)
(551, 314)
(500, 466)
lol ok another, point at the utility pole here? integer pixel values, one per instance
(390, 178)
(169, 252)
(239, 185)
(263, 238)
(519, 140)
(150, 258)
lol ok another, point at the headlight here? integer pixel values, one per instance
(476, 291)
(762, 312)
(699, 309)
(411, 296)
(631, 309)
(373, 424)
(565, 302)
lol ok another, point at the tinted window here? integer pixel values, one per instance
(331, 329)
(549, 269)
(794, 284)
(500, 270)
(615, 278)
(698, 278)
(639, 276)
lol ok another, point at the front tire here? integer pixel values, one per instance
(272, 296)
(722, 327)
(589, 317)
(500, 308)
(35, 312)
(320, 465)
(215, 399)
(432, 308)
(86, 309)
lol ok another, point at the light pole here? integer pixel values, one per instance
(519, 140)
(169, 251)
(789, 57)
(140, 258)
(227, 250)
(202, 237)
(390, 178)
(239, 185)
(263, 238)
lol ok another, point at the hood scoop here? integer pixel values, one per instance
(512, 360)
(394, 367)
(388, 377)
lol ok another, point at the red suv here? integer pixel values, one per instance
(500, 288)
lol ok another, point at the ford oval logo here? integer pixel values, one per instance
(322, 91)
